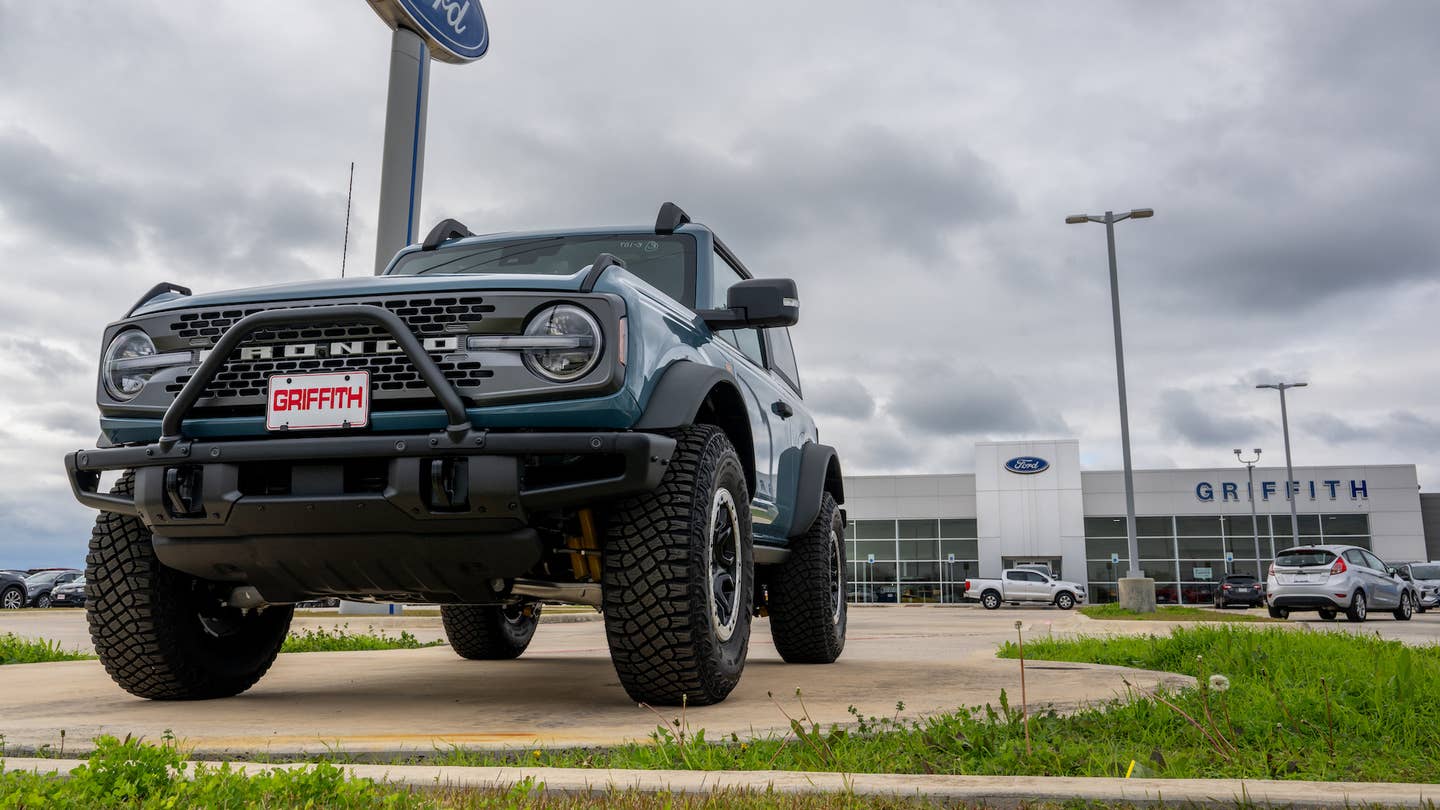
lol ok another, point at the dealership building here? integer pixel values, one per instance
(916, 538)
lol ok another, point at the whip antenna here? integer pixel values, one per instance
(349, 192)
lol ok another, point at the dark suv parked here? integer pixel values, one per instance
(610, 417)
(12, 590)
(38, 586)
(1240, 589)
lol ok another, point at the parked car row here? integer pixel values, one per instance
(41, 587)
(1335, 579)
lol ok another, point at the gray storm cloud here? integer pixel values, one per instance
(910, 166)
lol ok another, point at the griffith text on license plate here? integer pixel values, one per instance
(313, 401)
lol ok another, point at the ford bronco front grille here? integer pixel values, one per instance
(244, 378)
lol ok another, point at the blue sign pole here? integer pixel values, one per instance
(451, 31)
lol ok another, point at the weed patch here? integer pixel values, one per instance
(1174, 613)
(20, 650)
(321, 639)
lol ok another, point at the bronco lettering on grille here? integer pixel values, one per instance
(339, 348)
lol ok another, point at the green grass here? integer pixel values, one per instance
(1302, 705)
(1174, 613)
(132, 774)
(320, 639)
(20, 650)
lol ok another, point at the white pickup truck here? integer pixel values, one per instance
(1017, 585)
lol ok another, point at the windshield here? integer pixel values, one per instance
(1425, 571)
(42, 578)
(666, 262)
(1300, 558)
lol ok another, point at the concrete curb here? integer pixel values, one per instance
(995, 791)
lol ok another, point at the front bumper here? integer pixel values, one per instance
(426, 518)
(67, 600)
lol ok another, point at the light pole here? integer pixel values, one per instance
(1254, 519)
(1290, 489)
(1108, 220)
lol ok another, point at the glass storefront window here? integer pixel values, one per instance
(958, 527)
(882, 549)
(1197, 526)
(1202, 570)
(1105, 571)
(1102, 593)
(1105, 526)
(918, 528)
(1153, 527)
(1309, 524)
(1201, 548)
(918, 550)
(1102, 548)
(1159, 570)
(919, 571)
(1240, 525)
(1167, 593)
(1248, 567)
(1345, 524)
(962, 549)
(920, 592)
(1197, 593)
(1155, 548)
(874, 530)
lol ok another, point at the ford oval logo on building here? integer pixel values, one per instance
(455, 30)
(1027, 465)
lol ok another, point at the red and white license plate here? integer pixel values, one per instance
(314, 401)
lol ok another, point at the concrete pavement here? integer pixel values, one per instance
(563, 692)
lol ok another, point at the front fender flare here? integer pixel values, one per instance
(689, 392)
(819, 473)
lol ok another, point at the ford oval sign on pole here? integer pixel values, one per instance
(455, 30)
(1027, 465)
(451, 31)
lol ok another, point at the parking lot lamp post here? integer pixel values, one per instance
(1139, 600)
(1291, 491)
(1254, 519)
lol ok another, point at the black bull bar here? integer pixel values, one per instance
(495, 486)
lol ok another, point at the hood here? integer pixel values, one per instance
(364, 285)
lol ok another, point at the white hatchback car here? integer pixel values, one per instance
(1331, 579)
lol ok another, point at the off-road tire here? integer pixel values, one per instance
(807, 592)
(146, 620)
(12, 598)
(1359, 609)
(990, 600)
(490, 632)
(1279, 613)
(1064, 601)
(657, 605)
(1406, 609)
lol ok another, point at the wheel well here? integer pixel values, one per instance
(723, 408)
(990, 591)
(834, 480)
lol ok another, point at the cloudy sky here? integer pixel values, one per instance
(909, 164)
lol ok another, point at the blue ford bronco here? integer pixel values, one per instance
(608, 417)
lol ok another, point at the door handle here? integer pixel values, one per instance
(782, 409)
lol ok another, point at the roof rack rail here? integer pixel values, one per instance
(444, 231)
(158, 290)
(671, 217)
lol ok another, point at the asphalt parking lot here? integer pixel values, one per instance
(562, 692)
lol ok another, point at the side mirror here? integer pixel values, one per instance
(757, 302)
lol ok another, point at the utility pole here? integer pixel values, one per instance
(1291, 491)
(1254, 518)
(1132, 594)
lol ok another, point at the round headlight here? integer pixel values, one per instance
(123, 377)
(564, 343)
